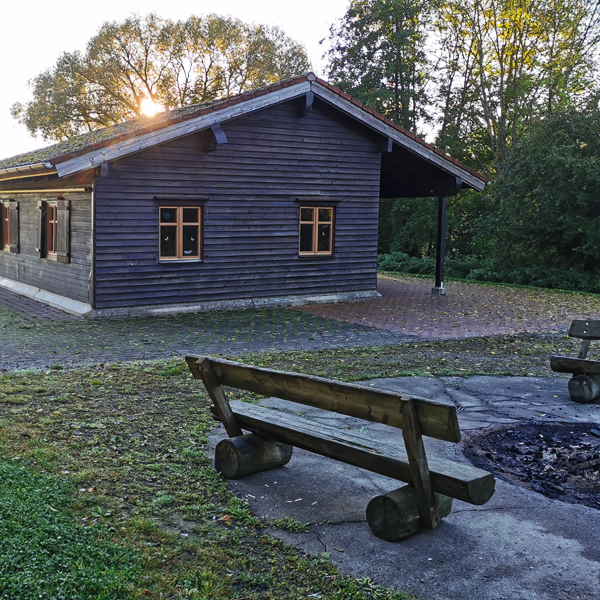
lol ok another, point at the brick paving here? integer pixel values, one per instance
(28, 340)
(407, 306)
(32, 311)
(33, 335)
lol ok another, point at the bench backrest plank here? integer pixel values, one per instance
(585, 329)
(436, 420)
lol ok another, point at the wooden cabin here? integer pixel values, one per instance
(269, 197)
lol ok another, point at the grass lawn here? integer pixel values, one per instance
(106, 490)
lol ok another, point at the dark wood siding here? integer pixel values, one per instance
(250, 214)
(70, 280)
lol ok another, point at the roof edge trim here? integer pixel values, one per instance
(33, 170)
(405, 139)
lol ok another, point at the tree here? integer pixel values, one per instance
(377, 54)
(547, 195)
(502, 64)
(174, 63)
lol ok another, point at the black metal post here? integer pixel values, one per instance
(441, 247)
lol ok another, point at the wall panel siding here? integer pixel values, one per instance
(251, 219)
(67, 279)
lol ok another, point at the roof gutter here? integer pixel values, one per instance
(34, 170)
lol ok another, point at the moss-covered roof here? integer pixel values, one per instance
(107, 136)
(79, 144)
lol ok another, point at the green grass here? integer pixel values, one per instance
(45, 553)
(109, 493)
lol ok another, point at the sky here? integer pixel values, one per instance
(35, 33)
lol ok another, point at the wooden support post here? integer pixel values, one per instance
(417, 459)
(441, 247)
(202, 369)
(248, 454)
(396, 515)
(584, 348)
(584, 388)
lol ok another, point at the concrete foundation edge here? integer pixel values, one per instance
(85, 310)
(246, 303)
(63, 303)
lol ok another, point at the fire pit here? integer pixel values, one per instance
(560, 461)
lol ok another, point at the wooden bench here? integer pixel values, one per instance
(434, 481)
(584, 386)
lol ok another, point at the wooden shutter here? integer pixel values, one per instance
(63, 231)
(40, 251)
(13, 226)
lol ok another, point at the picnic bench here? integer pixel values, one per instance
(433, 481)
(584, 386)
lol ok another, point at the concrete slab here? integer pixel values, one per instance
(519, 546)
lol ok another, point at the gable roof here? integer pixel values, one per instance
(89, 150)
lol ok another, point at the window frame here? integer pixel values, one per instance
(60, 227)
(315, 223)
(180, 224)
(51, 206)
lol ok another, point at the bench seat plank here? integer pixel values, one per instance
(577, 366)
(457, 480)
(436, 420)
(585, 329)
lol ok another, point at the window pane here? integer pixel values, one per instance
(323, 243)
(168, 215)
(307, 214)
(306, 237)
(190, 215)
(168, 240)
(324, 214)
(190, 240)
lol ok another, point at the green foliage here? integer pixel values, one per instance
(377, 54)
(473, 268)
(547, 199)
(45, 554)
(174, 63)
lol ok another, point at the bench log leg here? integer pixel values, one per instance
(584, 388)
(248, 454)
(396, 515)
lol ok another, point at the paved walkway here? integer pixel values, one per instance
(518, 546)
(33, 335)
(407, 306)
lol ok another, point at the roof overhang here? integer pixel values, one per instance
(33, 170)
(402, 142)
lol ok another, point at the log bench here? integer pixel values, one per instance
(433, 481)
(584, 386)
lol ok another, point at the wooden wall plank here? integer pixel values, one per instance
(66, 279)
(251, 215)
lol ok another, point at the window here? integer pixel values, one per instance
(9, 240)
(316, 230)
(54, 234)
(179, 235)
